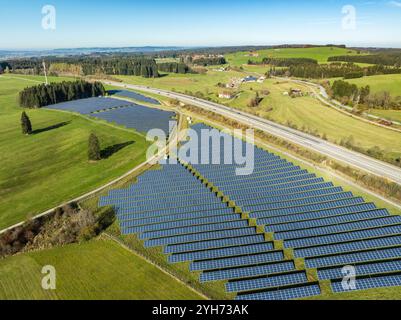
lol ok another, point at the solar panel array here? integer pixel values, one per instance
(133, 95)
(325, 225)
(124, 113)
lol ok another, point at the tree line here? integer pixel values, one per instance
(334, 70)
(174, 67)
(350, 94)
(284, 62)
(387, 59)
(44, 95)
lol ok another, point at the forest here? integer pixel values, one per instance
(44, 95)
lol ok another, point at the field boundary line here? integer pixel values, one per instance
(133, 251)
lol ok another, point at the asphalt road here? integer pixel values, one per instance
(331, 150)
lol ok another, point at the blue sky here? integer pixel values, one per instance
(87, 23)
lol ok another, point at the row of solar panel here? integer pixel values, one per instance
(282, 221)
(201, 236)
(288, 196)
(149, 218)
(361, 269)
(342, 227)
(356, 245)
(284, 294)
(194, 229)
(355, 257)
(213, 244)
(321, 221)
(123, 209)
(343, 237)
(265, 180)
(298, 203)
(250, 189)
(264, 171)
(368, 283)
(179, 223)
(222, 252)
(131, 196)
(134, 220)
(244, 260)
(138, 117)
(175, 199)
(247, 272)
(267, 282)
(307, 208)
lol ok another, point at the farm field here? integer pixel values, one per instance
(394, 115)
(390, 83)
(100, 269)
(304, 112)
(321, 54)
(49, 167)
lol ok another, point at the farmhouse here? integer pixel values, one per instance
(226, 95)
(296, 93)
(249, 79)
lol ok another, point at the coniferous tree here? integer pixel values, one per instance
(94, 148)
(26, 124)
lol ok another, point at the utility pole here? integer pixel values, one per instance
(44, 68)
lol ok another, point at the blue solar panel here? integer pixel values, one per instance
(247, 272)
(138, 117)
(221, 252)
(267, 282)
(200, 236)
(284, 294)
(343, 237)
(363, 224)
(286, 219)
(368, 283)
(361, 269)
(350, 258)
(179, 223)
(226, 242)
(327, 221)
(236, 261)
(348, 247)
(133, 95)
(86, 106)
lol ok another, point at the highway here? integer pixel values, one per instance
(328, 149)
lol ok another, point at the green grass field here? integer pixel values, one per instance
(50, 167)
(394, 115)
(390, 83)
(100, 269)
(321, 54)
